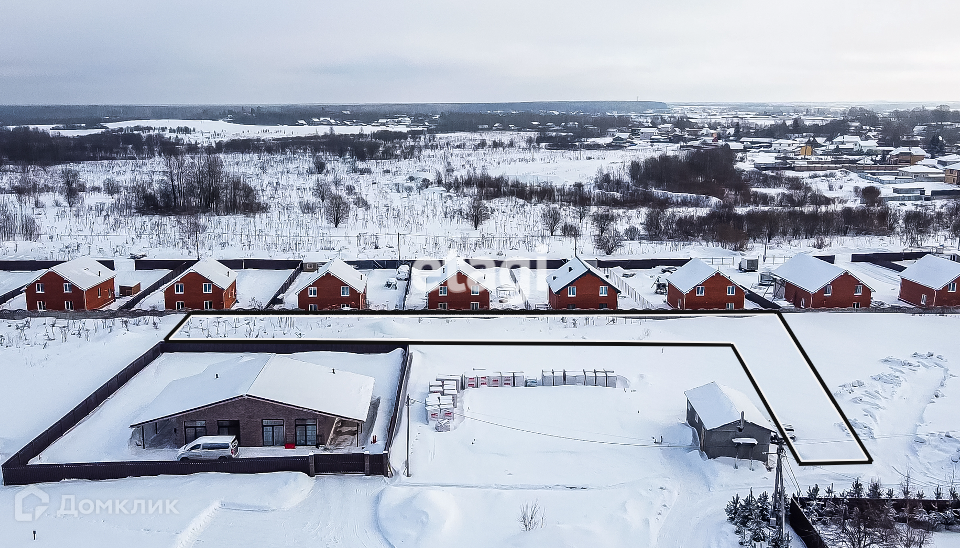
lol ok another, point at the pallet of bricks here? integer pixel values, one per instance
(578, 377)
(443, 400)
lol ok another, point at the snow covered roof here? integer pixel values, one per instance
(82, 272)
(452, 265)
(717, 405)
(210, 269)
(340, 270)
(271, 377)
(913, 151)
(808, 272)
(570, 272)
(691, 275)
(932, 271)
(920, 168)
(954, 167)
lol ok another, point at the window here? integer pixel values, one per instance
(178, 289)
(68, 305)
(273, 432)
(731, 290)
(312, 307)
(952, 287)
(193, 430)
(923, 299)
(306, 432)
(572, 291)
(858, 290)
(99, 292)
(41, 305)
(344, 306)
(602, 306)
(571, 307)
(344, 290)
(443, 290)
(603, 291)
(474, 306)
(701, 291)
(179, 305)
(208, 288)
(311, 292)
(208, 305)
(442, 306)
(856, 304)
(229, 428)
(67, 287)
(39, 288)
(803, 303)
(730, 306)
(827, 290)
(475, 290)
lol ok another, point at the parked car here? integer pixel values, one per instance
(210, 448)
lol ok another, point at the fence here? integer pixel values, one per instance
(626, 289)
(278, 296)
(144, 293)
(802, 526)
(759, 300)
(397, 410)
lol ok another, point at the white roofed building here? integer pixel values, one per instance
(699, 286)
(579, 285)
(80, 284)
(207, 285)
(727, 423)
(336, 285)
(931, 281)
(809, 282)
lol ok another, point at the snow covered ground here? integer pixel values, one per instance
(255, 288)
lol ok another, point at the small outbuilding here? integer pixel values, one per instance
(459, 286)
(931, 281)
(699, 286)
(727, 423)
(809, 282)
(207, 285)
(336, 285)
(580, 285)
(80, 284)
(264, 400)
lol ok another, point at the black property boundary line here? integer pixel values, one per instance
(603, 313)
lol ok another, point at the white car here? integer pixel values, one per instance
(210, 448)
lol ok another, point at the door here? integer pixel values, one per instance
(273, 432)
(306, 432)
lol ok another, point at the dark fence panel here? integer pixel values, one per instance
(803, 528)
(870, 257)
(269, 264)
(398, 406)
(278, 347)
(277, 297)
(826, 258)
(889, 264)
(339, 463)
(162, 264)
(757, 299)
(144, 293)
(11, 294)
(391, 264)
(28, 265)
(639, 264)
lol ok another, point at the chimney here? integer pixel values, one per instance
(740, 428)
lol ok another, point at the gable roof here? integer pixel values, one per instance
(273, 377)
(717, 405)
(340, 270)
(452, 265)
(692, 274)
(932, 271)
(83, 272)
(573, 270)
(211, 269)
(953, 167)
(810, 273)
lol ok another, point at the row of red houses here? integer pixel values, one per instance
(804, 281)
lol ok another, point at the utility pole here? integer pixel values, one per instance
(408, 436)
(779, 498)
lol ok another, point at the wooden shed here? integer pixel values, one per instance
(727, 423)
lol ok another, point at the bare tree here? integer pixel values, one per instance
(71, 186)
(192, 228)
(476, 212)
(604, 221)
(551, 219)
(322, 190)
(336, 209)
(531, 516)
(609, 241)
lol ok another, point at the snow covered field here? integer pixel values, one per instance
(467, 486)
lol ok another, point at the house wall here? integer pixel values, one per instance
(250, 412)
(193, 295)
(719, 441)
(588, 294)
(715, 295)
(842, 297)
(458, 294)
(55, 298)
(328, 295)
(911, 292)
(950, 176)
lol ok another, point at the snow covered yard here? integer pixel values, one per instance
(255, 288)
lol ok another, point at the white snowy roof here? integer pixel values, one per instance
(954, 167)
(718, 405)
(212, 270)
(452, 265)
(932, 271)
(570, 272)
(82, 272)
(271, 377)
(340, 270)
(808, 272)
(691, 275)
(920, 168)
(915, 151)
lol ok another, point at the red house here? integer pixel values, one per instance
(809, 282)
(207, 285)
(699, 286)
(335, 286)
(80, 284)
(578, 285)
(459, 286)
(931, 281)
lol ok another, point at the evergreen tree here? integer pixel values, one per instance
(874, 491)
(732, 508)
(856, 490)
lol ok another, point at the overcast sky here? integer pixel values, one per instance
(361, 51)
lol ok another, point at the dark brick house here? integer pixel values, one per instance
(931, 281)
(264, 400)
(699, 286)
(727, 423)
(809, 282)
(459, 286)
(579, 285)
(336, 285)
(207, 285)
(80, 284)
